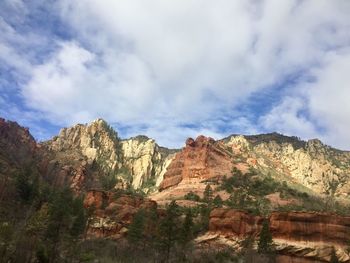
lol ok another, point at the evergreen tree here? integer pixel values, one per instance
(217, 201)
(151, 225)
(168, 229)
(265, 244)
(186, 233)
(59, 218)
(208, 194)
(23, 185)
(79, 223)
(136, 228)
(204, 217)
(334, 258)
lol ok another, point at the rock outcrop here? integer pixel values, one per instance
(96, 141)
(296, 234)
(85, 153)
(312, 164)
(18, 152)
(201, 160)
(17, 146)
(146, 161)
(113, 212)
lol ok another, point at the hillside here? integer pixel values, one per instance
(121, 192)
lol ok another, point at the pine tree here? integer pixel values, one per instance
(186, 234)
(168, 230)
(217, 201)
(334, 258)
(23, 185)
(136, 228)
(151, 225)
(265, 244)
(208, 194)
(79, 223)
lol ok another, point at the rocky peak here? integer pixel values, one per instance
(17, 145)
(199, 160)
(97, 141)
(138, 160)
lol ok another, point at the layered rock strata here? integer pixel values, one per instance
(297, 235)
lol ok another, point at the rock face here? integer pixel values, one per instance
(113, 213)
(296, 234)
(18, 151)
(86, 153)
(81, 155)
(145, 160)
(96, 142)
(202, 159)
(17, 146)
(312, 164)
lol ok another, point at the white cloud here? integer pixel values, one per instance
(319, 108)
(161, 65)
(287, 118)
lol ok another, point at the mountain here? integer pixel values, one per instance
(96, 147)
(231, 187)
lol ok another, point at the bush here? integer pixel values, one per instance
(192, 196)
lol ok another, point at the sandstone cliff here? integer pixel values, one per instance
(88, 152)
(297, 235)
(202, 159)
(113, 213)
(146, 161)
(83, 154)
(312, 164)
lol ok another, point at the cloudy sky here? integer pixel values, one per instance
(174, 69)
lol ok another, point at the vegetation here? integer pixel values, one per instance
(40, 224)
(248, 191)
(192, 196)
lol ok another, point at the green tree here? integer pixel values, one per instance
(334, 258)
(192, 196)
(204, 212)
(208, 194)
(217, 201)
(108, 181)
(169, 229)
(23, 185)
(186, 233)
(79, 223)
(59, 219)
(6, 234)
(151, 225)
(136, 228)
(265, 243)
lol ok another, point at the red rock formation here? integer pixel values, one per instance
(298, 235)
(291, 226)
(234, 222)
(201, 159)
(113, 213)
(16, 143)
(311, 227)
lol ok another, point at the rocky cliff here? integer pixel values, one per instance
(201, 159)
(274, 173)
(319, 167)
(298, 235)
(146, 161)
(18, 151)
(113, 212)
(94, 150)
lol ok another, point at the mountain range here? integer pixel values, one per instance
(300, 188)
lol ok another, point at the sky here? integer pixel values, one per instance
(177, 69)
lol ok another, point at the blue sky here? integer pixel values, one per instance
(174, 69)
